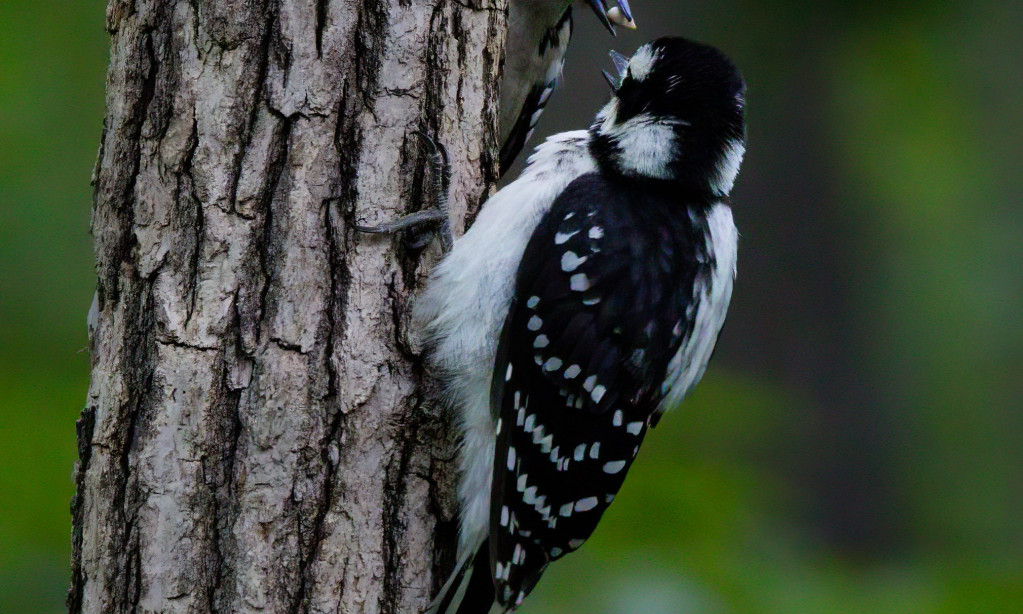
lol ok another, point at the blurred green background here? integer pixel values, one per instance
(856, 443)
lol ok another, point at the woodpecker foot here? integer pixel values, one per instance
(422, 225)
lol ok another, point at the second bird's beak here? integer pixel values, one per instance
(620, 15)
(621, 67)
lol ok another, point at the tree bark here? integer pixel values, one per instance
(256, 435)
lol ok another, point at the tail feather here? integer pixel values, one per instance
(479, 594)
(469, 589)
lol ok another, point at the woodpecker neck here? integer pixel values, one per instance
(640, 147)
(650, 146)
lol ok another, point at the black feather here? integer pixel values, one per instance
(606, 277)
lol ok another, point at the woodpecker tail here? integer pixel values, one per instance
(469, 589)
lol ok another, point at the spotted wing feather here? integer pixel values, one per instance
(603, 300)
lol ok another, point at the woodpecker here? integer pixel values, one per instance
(585, 301)
(538, 36)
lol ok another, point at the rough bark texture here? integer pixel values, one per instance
(255, 437)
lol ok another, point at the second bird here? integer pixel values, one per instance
(538, 35)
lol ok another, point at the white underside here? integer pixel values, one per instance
(466, 301)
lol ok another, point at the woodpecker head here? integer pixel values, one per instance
(677, 114)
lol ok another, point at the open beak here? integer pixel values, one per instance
(621, 67)
(620, 15)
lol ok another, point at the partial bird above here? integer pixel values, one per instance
(538, 37)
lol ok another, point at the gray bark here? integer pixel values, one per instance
(255, 435)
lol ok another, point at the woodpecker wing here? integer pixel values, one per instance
(604, 298)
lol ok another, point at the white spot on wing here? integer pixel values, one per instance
(634, 427)
(585, 505)
(579, 282)
(572, 371)
(614, 466)
(562, 237)
(553, 364)
(534, 324)
(570, 261)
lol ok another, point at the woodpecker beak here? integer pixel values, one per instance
(620, 15)
(611, 81)
(621, 63)
(600, 10)
(621, 67)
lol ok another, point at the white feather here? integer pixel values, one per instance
(728, 167)
(465, 303)
(647, 147)
(642, 62)
(712, 296)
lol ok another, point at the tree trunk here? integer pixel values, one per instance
(256, 437)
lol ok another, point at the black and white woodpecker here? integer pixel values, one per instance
(538, 37)
(584, 302)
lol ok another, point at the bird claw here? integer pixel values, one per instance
(422, 223)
